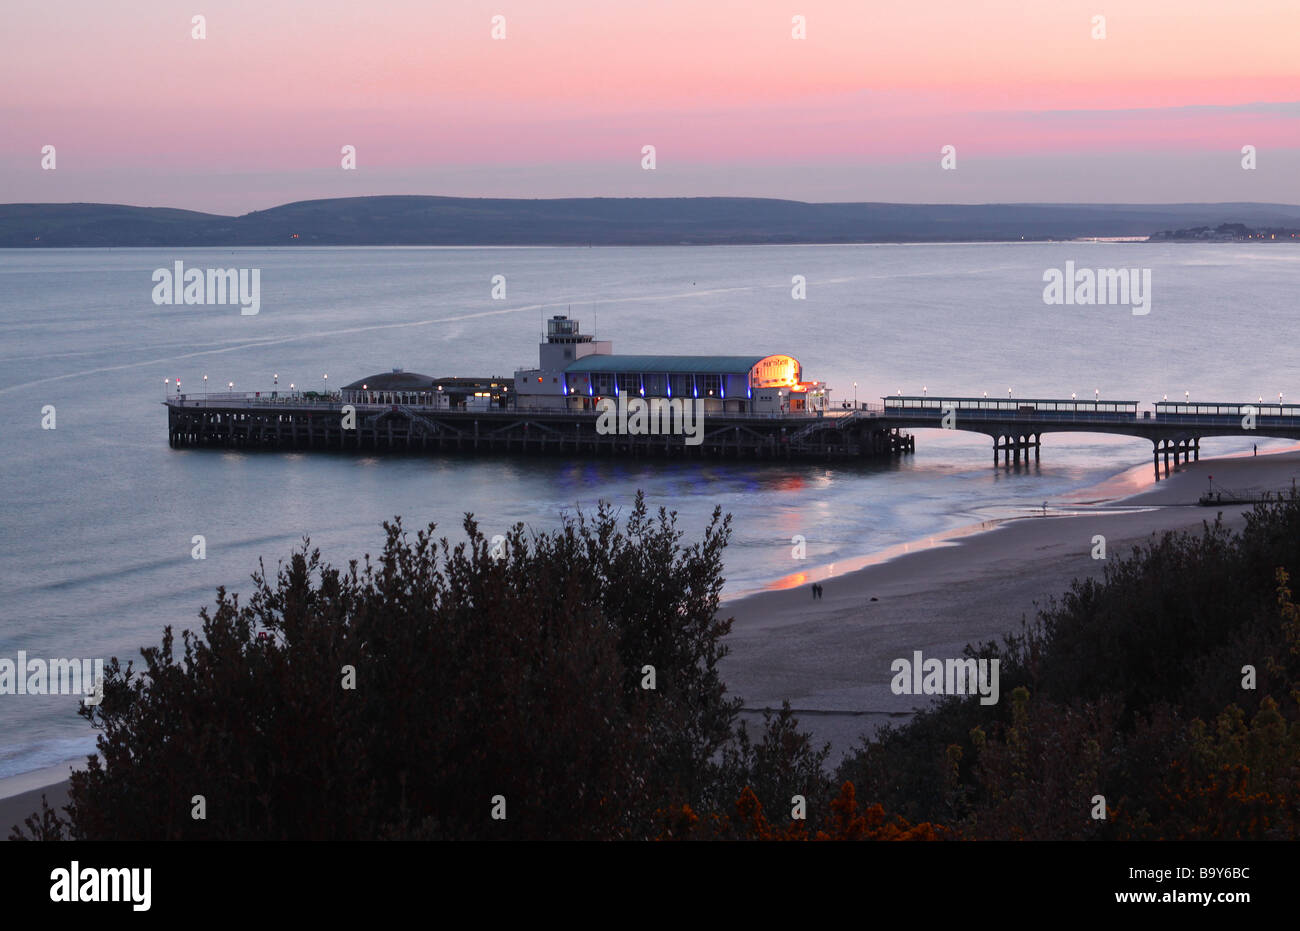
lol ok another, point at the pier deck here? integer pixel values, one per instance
(242, 421)
(258, 421)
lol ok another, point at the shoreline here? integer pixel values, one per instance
(20, 795)
(1119, 493)
(831, 657)
(969, 584)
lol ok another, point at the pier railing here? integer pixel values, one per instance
(285, 401)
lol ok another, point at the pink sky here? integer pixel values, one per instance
(1039, 110)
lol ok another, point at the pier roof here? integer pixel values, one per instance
(720, 365)
(392, 381)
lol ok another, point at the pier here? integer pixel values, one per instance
(1175, 428)
(1016, 425)
(255, 421)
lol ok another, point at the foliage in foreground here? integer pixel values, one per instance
(520, 674)
(1133, 688)
(523, 677)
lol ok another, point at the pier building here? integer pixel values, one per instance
(575, 371)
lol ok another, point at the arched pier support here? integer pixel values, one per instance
(1010, 447)
(1182, 450)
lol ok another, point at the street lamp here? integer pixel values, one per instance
(205, 387)
(165, 383)
(925, 392)
(1008, 392)
(855, 395)
(326, 380)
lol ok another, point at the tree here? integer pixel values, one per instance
(398, 698)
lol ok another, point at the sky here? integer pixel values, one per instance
(1039, 100)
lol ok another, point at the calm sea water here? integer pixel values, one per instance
(99, 513)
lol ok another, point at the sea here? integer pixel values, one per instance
(98, 523)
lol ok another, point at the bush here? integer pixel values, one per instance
(1110, 690)
(472, 677)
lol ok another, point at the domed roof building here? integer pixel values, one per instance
(402, 387)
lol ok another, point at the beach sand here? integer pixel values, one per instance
(831, 658)
(20, 795)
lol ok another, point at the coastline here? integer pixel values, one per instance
(975, 583)
(831, 657)
(20, 795)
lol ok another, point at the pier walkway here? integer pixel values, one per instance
(291, 421)
(1175, 428)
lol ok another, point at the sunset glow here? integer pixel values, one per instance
(256, 112)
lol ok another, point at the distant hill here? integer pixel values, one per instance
(420, 220)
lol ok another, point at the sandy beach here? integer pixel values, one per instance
(20, 795)
(831, 657)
